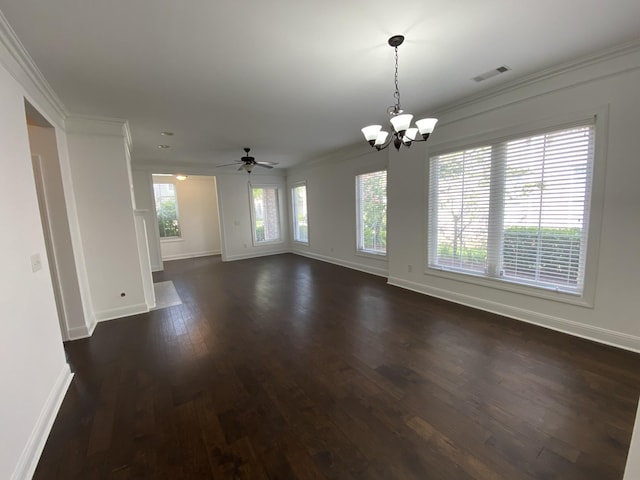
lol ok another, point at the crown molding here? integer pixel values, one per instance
(197, 168)
(24, 68)
(547, 74)
(94, 125)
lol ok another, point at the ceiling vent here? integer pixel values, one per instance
(491, 73)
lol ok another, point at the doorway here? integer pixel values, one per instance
(55, 222)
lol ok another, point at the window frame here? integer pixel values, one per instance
(254, 236)
(294, 212)
(361, 251)
(167, 180)
(599, 118)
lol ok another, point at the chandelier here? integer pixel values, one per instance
(403, 133)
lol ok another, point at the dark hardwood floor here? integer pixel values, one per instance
(285, 367)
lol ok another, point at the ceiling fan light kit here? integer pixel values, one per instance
(403, 133)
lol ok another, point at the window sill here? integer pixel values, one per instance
(171, 239)
(505, 285)
(372, 255)
(266, 244)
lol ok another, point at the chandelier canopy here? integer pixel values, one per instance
(403, 133)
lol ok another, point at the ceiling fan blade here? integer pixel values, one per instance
(241, 168)
(260, 164)
(227, 164)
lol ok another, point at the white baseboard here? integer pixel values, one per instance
(114, 313)
(182, 256)
(381, 272)
(35, 444)
(589, 332)
(85, 331)
(231, 258)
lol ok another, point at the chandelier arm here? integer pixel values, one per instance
(385, 144)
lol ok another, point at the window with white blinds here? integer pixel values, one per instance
(516, 210)
(371, 204)
(299, 212)
(266, 214)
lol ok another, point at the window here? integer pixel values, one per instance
(371, 198)
(167, 209)
(299, 210)
(266, 214)
(516, 209)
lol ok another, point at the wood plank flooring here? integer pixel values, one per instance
(284, 367)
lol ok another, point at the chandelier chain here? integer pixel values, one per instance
(396, 94)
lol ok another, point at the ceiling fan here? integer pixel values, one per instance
(247, 162)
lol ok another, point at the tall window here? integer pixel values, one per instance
(167, 209)
(266, 214)
(516, 209)
(371, 193)
(299, 203)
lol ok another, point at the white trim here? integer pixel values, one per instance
(181, 256)
(532, 84)
(27, 71)
(171, 239)
(231, 258)
(35, 444)
(589, 332)
(127, 311)
(84, 331)
(102, 126)
(380, 272)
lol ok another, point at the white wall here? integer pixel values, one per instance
(198, 216)
(98, 158)
(331, 207)
(33, 369)
(608, 85)
(43, 144)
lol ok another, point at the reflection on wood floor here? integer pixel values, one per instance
(284, 367)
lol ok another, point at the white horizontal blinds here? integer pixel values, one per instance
(547, 187)
(266, 214)
(460, 194)
(300, 223)
(516, 210)
(372, 212)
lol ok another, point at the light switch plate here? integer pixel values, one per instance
(36, 262)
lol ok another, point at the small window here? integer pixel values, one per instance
(266, 214)
(371, 200)
(167, 210)
(300, 222)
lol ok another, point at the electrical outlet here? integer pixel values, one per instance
(36, 262)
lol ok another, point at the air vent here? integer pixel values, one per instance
(491, 73)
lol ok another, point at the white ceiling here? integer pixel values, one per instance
(291, 79)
